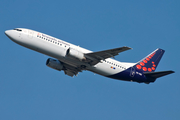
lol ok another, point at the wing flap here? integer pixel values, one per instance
(71, 70)
(70, 73)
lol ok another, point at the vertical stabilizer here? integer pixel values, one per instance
(150, 62)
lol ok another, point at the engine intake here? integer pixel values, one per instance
(55, 64)
(76, 54)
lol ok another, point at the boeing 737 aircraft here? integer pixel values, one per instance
(73, 59)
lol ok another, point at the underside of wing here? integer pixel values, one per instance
(71, 71)
(95, 57)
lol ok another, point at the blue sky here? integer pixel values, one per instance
(29, 90)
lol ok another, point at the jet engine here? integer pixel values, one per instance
(55, 64)
(76, 54)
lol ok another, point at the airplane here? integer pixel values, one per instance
(73, 59)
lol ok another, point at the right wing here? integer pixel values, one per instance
(96, 57)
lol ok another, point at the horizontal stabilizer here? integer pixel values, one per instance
(157, 74)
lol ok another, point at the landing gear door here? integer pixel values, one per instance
(132, 73)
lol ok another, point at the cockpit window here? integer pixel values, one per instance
(17, 29)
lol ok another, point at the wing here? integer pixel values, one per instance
(95, 57)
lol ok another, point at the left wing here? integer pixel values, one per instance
(95, 57)
(70, 70)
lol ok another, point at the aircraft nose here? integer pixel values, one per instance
(7, 32)
(11, 35)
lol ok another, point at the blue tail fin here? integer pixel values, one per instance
(150, 62)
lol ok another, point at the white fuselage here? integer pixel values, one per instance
(57, 48)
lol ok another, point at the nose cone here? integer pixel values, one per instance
(12, 35)
(7, 32)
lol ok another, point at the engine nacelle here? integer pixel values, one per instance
(76, 54)
(55, 64)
